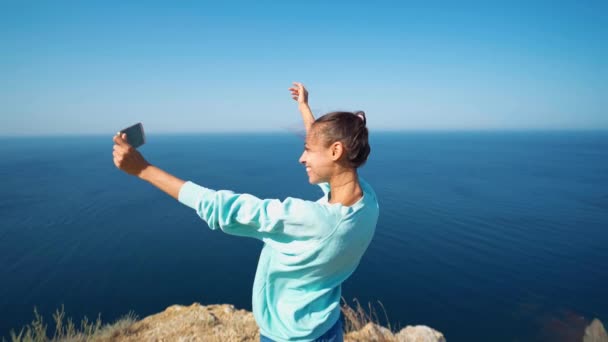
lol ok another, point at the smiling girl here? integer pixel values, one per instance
(310, 247)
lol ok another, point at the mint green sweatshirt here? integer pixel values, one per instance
(310, 248)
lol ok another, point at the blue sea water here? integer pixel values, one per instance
(498, 236)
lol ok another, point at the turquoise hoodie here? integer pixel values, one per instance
(310, 248)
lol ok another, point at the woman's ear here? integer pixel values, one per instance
(337, 149)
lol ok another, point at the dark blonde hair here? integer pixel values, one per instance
(348, 128)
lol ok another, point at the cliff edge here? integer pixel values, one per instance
(223, 322)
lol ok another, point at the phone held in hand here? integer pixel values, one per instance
(135, 135)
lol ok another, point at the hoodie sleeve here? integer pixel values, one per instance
(247, 215)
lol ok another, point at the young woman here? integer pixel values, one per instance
(310, 247)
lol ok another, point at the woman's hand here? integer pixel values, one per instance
(299, 93)
(126, 157)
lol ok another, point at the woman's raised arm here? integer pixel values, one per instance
(300, 94)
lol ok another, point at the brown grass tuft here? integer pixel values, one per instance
(357, 318)
(67, 331)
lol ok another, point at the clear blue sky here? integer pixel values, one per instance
(192, 66)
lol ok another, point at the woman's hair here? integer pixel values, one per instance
(348, 128)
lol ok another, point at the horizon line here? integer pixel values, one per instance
(286, 132)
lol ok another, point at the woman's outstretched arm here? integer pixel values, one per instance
(249, 216)
(132, 162)
(237, 214)
(162, 180)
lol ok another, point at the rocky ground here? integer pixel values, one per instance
(213, 323)
(225, 323)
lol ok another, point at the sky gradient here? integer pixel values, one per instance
(191, 66)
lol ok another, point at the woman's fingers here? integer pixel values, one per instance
(120, 149)
(298, 86)
(294, 93)
(298, 92)
(121, 140)
(120, 143)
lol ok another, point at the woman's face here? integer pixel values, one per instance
(318, 159)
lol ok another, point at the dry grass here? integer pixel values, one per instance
(67, 331)
(356, 318)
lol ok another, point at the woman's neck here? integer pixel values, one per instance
(345, 188)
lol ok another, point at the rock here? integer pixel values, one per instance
(193, 323)
(224, 323)
(374, 332)
(370, 332)
(419, 333)
(595, 332)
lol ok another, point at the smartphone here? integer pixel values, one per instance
(135, 135)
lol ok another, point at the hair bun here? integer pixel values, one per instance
(361, 115)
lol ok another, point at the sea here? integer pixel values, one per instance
(482, 235)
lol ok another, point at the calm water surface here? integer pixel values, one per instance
(500, 234)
